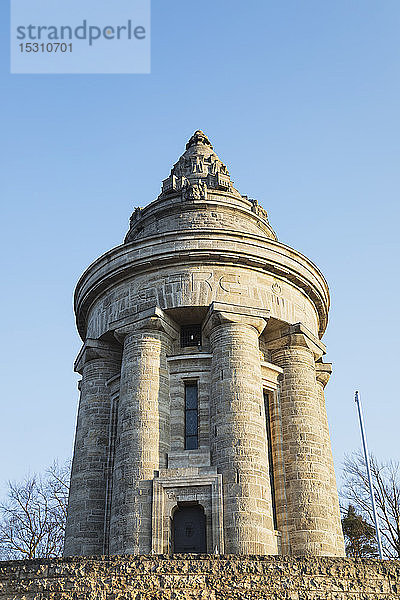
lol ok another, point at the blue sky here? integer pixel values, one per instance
(301, 101)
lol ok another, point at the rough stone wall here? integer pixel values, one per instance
(200, 578)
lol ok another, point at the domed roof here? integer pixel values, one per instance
(199, 181)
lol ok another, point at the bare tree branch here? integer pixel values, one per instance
(32, 519)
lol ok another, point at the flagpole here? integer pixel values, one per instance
(367, 463)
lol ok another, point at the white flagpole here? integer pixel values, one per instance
(367, 463)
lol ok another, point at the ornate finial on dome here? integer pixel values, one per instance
(199, 137)
(199, 169)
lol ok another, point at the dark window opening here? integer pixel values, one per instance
(191, 417)
(190, 335)
(189, 530)
(267, 405)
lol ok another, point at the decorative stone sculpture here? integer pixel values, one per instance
(199, 165)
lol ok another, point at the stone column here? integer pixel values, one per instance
(238, 428)
(312, 530)
(143, 431)
(97, 362)
(323, 373)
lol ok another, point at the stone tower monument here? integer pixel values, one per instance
(202, 424)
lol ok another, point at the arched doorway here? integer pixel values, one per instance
(189, 529)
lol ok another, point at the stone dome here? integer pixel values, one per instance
(199, 180)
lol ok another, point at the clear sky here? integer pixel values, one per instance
(300, 99)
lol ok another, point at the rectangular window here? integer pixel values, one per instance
(190, 335)
(191, 416)
(267, 405)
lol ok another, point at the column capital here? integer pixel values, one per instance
(296, 335)
(153, 319)
(220, 312)
(93, 349)
(323, 372)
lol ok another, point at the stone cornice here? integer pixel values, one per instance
(296, 335)
(220, 312)
(323, 372)
(96, 349)
(185, 357)
(151, 319)
(183, 247)
(270, 373)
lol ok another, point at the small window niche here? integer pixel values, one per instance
(190, 335)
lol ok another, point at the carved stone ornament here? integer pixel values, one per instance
(197, 169)
(136, 215)
(195, 191)
(258, 210)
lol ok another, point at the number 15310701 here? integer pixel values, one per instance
(49, 47)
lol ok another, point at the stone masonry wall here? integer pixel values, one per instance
(237, 424)
(200, 578)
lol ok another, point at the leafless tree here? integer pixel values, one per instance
(386, 485)
(32, 519)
